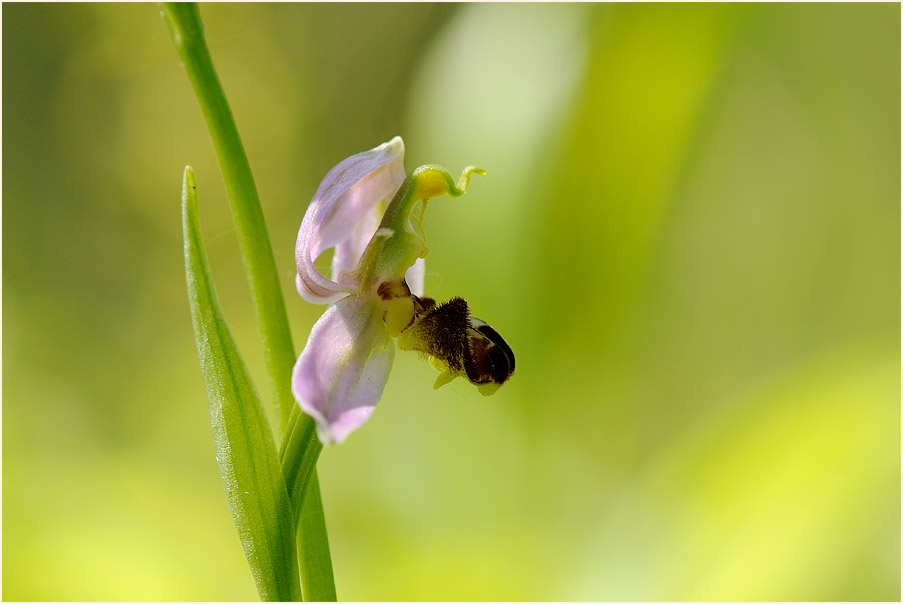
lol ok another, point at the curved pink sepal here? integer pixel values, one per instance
(344, 214)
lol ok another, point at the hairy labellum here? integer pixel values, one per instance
(459, 344)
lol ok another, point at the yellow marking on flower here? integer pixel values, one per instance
(438, 364)
(442, 379)
(394, 298)
(397, 314)
(433, 181)
(430, 182)
(445, 374)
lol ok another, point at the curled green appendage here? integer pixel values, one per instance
(464, 180)
(432, 181)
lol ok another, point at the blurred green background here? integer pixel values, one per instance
(689, 233)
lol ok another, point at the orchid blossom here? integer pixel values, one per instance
(375, 292)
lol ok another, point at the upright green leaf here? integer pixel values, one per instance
(245, 449)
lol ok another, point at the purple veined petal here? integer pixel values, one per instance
(340, 215)
(415, 276)
(343, 369)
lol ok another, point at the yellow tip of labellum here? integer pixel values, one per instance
(489, 388)
(443, 378)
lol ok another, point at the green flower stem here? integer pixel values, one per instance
(299, 453)
(185, 26)
(186, 29)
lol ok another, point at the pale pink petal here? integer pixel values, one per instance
(348, 253)
(341, 210)
(343, 369)
(415, 276)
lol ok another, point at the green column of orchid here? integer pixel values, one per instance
(397, 244)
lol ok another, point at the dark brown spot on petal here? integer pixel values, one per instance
(422, 306)
(389, 290)
(428, 303)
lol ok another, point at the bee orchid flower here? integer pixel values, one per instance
(375, 290)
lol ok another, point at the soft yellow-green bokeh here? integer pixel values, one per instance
(689, 233)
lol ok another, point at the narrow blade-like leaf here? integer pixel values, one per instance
(245, 450)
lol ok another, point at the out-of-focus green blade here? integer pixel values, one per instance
(245, 449)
